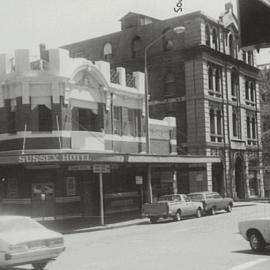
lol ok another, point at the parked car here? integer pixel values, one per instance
(173, 205)
(212, 201)
(25, 241)
(256, 231)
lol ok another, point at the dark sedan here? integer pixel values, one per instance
(212, 201)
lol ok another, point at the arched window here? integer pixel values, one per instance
(231, 45)
(210, 78)
(215, 39)
(169, 85)
(136, 46)
(207, 36)
(107, 52)
(167, 42)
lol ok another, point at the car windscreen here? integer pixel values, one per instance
(195, 197)
(18, 224)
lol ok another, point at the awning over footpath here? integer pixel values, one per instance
(67, 156)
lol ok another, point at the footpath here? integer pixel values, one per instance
(80, 225)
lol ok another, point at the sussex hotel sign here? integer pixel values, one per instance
(67, 157)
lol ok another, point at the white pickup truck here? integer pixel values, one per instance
(173, 205)
(256, 231)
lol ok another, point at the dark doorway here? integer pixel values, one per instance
(239, 181)
(217, 178)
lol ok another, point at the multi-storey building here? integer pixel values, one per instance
(265, 118)
(72, 138)
(207, 82)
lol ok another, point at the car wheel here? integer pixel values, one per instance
(177, 216)
(213, 211)
(198, 213)
(39, 265)
(229, 208)
(256, 241)
(153, 220)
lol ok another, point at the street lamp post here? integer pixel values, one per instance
(177, 30)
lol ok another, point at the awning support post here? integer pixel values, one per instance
(149, 184)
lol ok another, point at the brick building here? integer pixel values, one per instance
(63, 121)
(207, 82)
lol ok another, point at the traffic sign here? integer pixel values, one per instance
(101, 168)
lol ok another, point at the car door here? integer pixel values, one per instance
(220, 202)
(188, 205)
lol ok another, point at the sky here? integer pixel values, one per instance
(24, 24)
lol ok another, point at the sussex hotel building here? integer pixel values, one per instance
(72, 138)
(203, 79)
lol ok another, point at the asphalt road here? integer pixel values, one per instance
(207, 243)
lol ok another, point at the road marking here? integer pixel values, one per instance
(248, 264)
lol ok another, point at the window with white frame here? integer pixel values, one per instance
(250, 91)
(251, 128)
(216, 124)
(214, 80)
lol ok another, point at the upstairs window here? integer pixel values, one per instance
(216, 124)
(136, 47)
(250, 92)
(107, 52)
(87, 120)
(250, 58)
(234, 84)
(117, 120)
(12, 116)
(217, 81)
(215, 39)
(210, 78)
(207, 36)
(251, 128)
(44, 118)
(236, 123)
(231, 45)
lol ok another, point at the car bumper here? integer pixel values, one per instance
(42, 254)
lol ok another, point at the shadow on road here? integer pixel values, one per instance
(266, 252)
